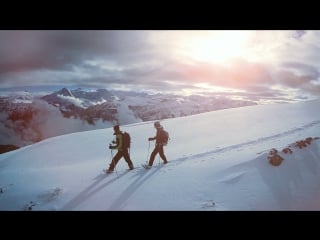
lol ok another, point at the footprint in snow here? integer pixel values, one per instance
(45, 197)
(233, 178)
(5, 188)
(50, 195)
(208, 204)
(30, 205)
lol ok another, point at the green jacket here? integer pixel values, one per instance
(118, 145)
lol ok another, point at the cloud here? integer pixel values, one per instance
(158, 60)
(28, 50)
(47, 121)
(7, 134)
(72, 57)
(299, 76)
(299, 34)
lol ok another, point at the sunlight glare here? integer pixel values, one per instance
(217, 46)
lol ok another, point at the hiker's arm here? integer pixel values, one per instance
(118, 143)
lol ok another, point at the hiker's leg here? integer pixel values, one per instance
(153, 155)
(127, 158)
(161, 153)
(115, 160)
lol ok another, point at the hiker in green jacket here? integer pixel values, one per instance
(122, 150)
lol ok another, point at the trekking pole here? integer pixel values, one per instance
(148, 152)
(114, 164)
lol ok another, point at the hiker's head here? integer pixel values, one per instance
(116, 128)
(157, 124)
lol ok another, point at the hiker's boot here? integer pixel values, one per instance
(147, 166)
(109, 171)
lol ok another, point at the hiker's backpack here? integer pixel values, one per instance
(126, 140)
(164, 137)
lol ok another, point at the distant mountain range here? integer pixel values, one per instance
(106, 104)
(26, 118)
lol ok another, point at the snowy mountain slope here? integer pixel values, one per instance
(217, 161)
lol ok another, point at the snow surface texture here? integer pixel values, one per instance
(217, 161)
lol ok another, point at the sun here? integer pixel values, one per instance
(216, 46)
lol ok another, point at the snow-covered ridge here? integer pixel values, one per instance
(217, 161)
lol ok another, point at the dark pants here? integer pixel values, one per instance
(116, 158)
(157, 149)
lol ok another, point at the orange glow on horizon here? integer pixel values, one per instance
(240, 74)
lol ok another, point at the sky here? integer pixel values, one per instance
(218, 161)
(243, 63)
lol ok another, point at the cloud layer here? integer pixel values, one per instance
(280, 63)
